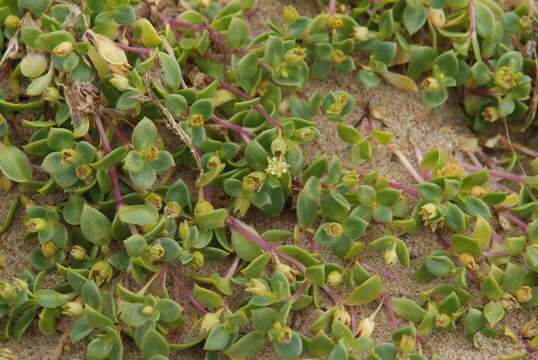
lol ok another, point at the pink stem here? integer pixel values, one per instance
(237, 225)
(300, 290)
(246, 96)
(137, 50)
(245, 134)
(392, 316)
(497, 238)
(474, 159)
(113, 172)
(440, 238)
(188, 294)
(353, 321)
(383, 273)
(332, 6)
(408, 166)
(331, 294)
(486, 158)
(232, 268)
(38, 168)
(499, 174)
(516, 221)
(404, 188)
(495, 254)
(121, 136)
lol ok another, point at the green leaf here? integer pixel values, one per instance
(493, 312)
(98, 349)
(49, 298)
(171, 71)
(246, 346)
(138, 214)
(207, 297)
(144, 134)
(237, 34)
(407, 309)
(14, 163)
(154, 343)
(485, 20)
(218, 338)
(95, 226)
(367, 292)
(349, 134)
(414, 18)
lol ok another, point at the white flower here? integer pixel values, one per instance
(276, 167)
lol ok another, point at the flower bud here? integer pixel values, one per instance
(306, 134)
(490, 114)
(35, 224)
(213, 162)
(64, 49)
(21, 284)
(12, 21)
(430, 84)
(79, 253)
(101, 272)
(172, 210)
(338, 57)
(524, 294)
(450, 169)
(203, 207)
(278, 147)
(240, 207)
(7, 291)
(506, 78)
(361, 33)
(342, 316)
(284, 335)
(407, 344)
(257, 287)
(198, 259)
(120, 82)
(335, 21)
(48, 249)
(148, 310)
(209, 321)
(295, 55)
(429, 211)
(525, 22)
(73, 308)
(196, 120)
(254, 181)
(33, 65)
(290, 14)
(390, 255)
(334, 230)
(468, 261)
(287, 270)
(156, 252)
(51, 94)
(67, 156)
(184, 230)
(335, 278)
(442, 320)
(437, 17)
(151, 153)
(366, 327)
(350, 179)
(83, 172)
(154, 200)
(479, 191)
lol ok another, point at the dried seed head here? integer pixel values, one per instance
(343, 316)
(361, 33)
(437, 17)
(430, 84)
(290, 14)
(254, 181)
(79, 253)
(490, 114)
(276, 167)
(48, 249)
(83, 172)
(73, 308)
(172, 210)
(334, 230)
(12, 21)
(367, 325)
(64, 49)
(524, 294)
(257, 287)
(529, 329)
(154, 200)
(335, 21)
(335, 278)
(295, 55)
(338, 57)
(505, 78)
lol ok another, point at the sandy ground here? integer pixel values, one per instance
(414, 127)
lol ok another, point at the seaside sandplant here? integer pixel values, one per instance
(163, 135)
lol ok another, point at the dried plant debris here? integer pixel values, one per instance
(163, 132)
